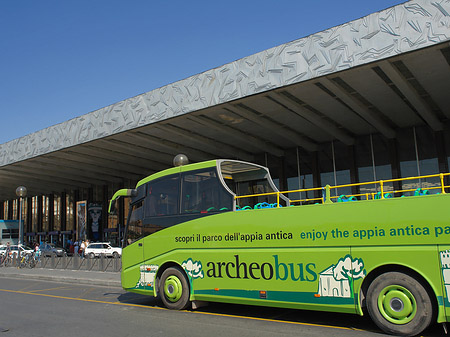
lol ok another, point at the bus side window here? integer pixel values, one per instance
(203, 193)
(134, 231)
(162, 197)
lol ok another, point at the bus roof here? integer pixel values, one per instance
(228, 166)
(173, 170)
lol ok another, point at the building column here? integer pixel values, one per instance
(51, 212)
(104, 222)
(39, 213)
(316, 173)
(395, 163)
(63, 211)
(29, 214)
(10, 209)
(442, 155)
(282, 173)
(121, 216)
(354, 177)
(441, 151)
(90, 197)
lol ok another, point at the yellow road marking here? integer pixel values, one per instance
(278, 321)
(193, 312)
(27, 287)
(57, 288)
(77, 299)
(86, 292)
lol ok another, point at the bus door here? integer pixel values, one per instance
(444, 252)
(133, 254)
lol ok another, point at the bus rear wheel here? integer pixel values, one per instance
(174, 288)
(399, 304)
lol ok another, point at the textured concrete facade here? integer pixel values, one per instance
(400, 29)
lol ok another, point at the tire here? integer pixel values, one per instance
(399, 304)
(115, 255)
(174, 289)
(31, 263)
(91, 255)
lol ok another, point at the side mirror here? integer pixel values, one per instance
(113, 207)
(120, 193)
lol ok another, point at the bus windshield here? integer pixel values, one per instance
(185, 195)
(247, 179)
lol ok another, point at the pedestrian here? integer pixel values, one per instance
(71, 252)
(37, 251)
(75, 248)
(82, 247)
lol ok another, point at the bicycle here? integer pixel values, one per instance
(6, 260)
(28, 260)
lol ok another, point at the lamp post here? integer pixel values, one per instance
(21, 192)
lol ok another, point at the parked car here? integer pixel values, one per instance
(49, 249)
(102, 248)
(23, 249)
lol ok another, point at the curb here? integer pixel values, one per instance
(75, 279)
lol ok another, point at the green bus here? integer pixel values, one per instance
(220, 231)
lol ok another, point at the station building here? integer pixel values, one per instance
(363, 101)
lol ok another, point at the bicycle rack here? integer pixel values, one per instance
(102, 263)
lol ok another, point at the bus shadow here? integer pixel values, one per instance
(331, 319)
(133, 298)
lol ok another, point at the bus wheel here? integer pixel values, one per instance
(399, 304)
(174, 289)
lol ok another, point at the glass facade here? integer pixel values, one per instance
(414, 151)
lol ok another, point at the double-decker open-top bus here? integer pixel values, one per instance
(221, 231)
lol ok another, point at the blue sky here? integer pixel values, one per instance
(62, 59)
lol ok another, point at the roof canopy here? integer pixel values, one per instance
(377, 74)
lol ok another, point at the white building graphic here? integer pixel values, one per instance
(445, 260)
(335, 280)
(330, 287)
(148, 272)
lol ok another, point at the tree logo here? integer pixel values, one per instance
(193, 268)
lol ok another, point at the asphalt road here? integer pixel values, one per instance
(43, 308)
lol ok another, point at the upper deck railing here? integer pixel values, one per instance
(381, 190)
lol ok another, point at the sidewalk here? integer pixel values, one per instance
(110, 279)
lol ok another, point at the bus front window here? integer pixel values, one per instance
(134, 228)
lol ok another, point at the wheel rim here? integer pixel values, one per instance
(397, 304)
(173, 289)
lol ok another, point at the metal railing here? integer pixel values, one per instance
(102, 263)
(380, 187)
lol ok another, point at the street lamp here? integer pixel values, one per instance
(21, 192)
